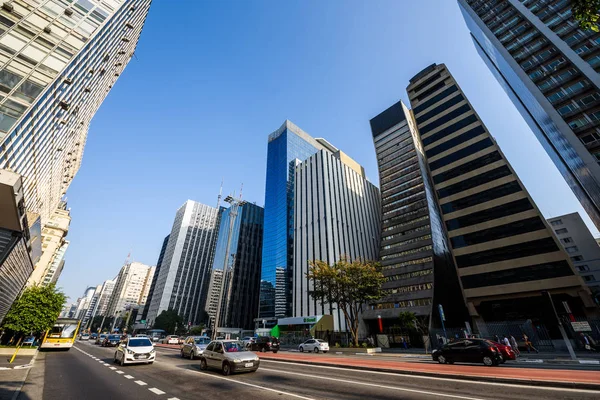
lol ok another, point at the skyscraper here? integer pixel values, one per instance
(182, 284)
(131, 287)
(336, 216)
(505, 253)
(154, 278)
(549, 68)
(238, 254)
(105, 294)
(214, 296)
(287, 146)
(58, 61)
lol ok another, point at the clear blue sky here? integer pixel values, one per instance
(213, 78)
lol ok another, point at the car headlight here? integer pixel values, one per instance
(255, 358)
(237, 360)
(130, 351)
(152, 351)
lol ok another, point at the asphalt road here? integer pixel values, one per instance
(88, 372)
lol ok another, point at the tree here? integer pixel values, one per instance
(350, 285)
(97, 322)
(36, 310)
(407, 319)
(419, 322)
(169, 321)
(197, 330)
(587, 12)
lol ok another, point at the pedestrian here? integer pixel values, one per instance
(514, 345)
(506, 342)
(404, 343)
(528, 344)
(496, 339)
(585, 341)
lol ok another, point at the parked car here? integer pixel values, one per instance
(182, 339)
(93, 336)
(100, 338)
(247, 340)
(194, 346)
(263, 344)
(84, 336)
(171, 339)
(229, 356)
(29, 341)
(111, 341)
(470, 351)
(315, 345)
(506, 351)
(135, 350)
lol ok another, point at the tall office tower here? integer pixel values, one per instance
(58, 61)
(287, 146)
(182, 284)
(105, 294)
(419, 271)
(583, 249)
(154, 278)
(336, 216)
(549, 68)
(505, 252)
(90, 312)
(214, 295)
(54, 246)
(238, 254)
(131, 288)
(15, 260)
(83, 303)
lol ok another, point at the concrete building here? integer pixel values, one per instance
(104, 297)
(549, 67)
(154, 279)
(287, 146)
(54, 246)
(182, 284)
(131, 288)
(583, 249)
(84, 302)
(58, 61)
(336, 216)
(505, 253)
(15, 260)
(214, 296)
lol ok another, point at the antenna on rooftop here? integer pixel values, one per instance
(220, 194)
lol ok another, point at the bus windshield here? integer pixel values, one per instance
(63, 331)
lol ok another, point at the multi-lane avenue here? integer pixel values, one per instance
(88, 372)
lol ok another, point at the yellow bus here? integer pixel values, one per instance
(62, 335)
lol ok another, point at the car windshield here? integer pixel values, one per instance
(141, 342)
(202, 340)
(102, 336)
(232, 347)
(114, 337)
(320, 341)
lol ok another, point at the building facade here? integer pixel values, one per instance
(549, 68)
(336, 216)
(182, 284)
(214, 296)
(419, 271)
(583, 249)
(84, 302)
(58, 61)
(131, 288)
(104, 297)
(238, 255)
(505, 253)
(287, 146)
(154, 278)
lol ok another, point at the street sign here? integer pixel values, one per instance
(581, 326)
(441, 310)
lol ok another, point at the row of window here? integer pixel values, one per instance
(498, 232)
(447, 92)
(526, 249)
(440, 109)
(462, 138)
(407, 252)
(423, 260)
(405, 242)
(467, 167)
(407, 223)
(481, 197)
(403, 304)
(445, 118)
(406, 289)
(475, 181)
(450, 129)
(460, 154)
(515, 275)
(414, 274)
(405, 233)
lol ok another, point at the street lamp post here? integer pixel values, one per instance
(561, 327)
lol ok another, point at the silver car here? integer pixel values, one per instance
(193, 346)
(229, 356)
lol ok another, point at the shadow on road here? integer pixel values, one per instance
(7, 394)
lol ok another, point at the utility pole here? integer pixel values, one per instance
(561, 327)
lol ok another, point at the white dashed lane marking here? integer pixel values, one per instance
(119, 372)
(141, 383)
(113, 368)
(156, 391)
(128, 376)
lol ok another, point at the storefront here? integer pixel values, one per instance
(296, 330)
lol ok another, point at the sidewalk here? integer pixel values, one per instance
(13, 376)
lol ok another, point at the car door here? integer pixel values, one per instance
(218, 355)
(455, 351)
(207, 354)
(309, 345)
(186, 347)
(472, 351)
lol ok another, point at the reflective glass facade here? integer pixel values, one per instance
(549, 68)
(287, 146)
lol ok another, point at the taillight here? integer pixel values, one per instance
(494, 350)
(268, 343)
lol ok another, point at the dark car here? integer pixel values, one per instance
(469, 351)
(111, 341)
(264, 343)
(93, 336)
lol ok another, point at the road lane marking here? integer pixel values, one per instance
(437, 394)
(399, 373)
(120, 372)
(113, 368)
(156, 391)
(141, 383)
(128, 376)
(173, 398)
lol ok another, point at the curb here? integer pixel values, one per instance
(513, 381)
(24, 366)
(28, 366)
(571, 362)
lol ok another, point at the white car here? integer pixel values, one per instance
(135, 351)
(315, 345)
(171, 339)
(85, 336)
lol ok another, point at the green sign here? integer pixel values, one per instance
(143, 321)
(312, 319)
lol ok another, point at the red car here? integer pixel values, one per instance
(506, 351)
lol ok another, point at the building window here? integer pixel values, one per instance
(583, 268)
(561, 231)
(588, 278)
(572, 249)
(567, 240)
(577, 258)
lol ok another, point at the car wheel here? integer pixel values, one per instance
(442, 359)
(324, 351)
(182, 354)
(122, 360)
(203, 365)
(191, 354)
(226, 370)
(301, 349)
(151, 362)
(488, 361)
(316, 349)
(275, 351)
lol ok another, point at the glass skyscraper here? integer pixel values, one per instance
(287, 146)
(549, 68)
(58, 61)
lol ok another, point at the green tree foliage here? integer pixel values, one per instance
(406, 319)
(169, 321)
(97, 321)
(347, 285)
(197, 330)
(587, 12)
(36, 310)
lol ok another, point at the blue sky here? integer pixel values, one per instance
(209, 84)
